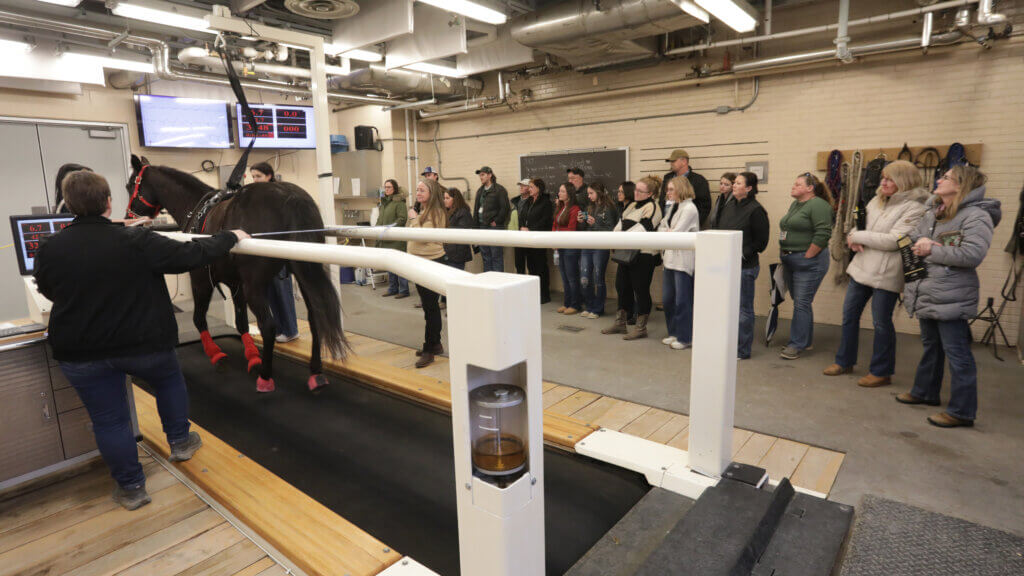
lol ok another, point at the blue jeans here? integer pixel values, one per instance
(397, 284)
(494, 258)
(281, 297)
(101, 386)
(593, 265)
(677, 297)
(950, 339)
(569, 266)
(803, 276)
(883, 302)
(748, 281)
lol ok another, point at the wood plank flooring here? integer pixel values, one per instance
(570, 414)
(73, 528)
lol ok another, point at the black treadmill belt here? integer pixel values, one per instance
(386, 464)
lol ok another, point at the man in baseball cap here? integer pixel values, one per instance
(680, 162)
(428, 172)
(491, 209)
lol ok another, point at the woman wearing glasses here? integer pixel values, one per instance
(953, 237)
(803, 240)
(876, 273)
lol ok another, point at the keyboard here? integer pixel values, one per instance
(19, 330)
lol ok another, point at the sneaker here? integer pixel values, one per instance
(668, 341)
(182, 451)
(402, 295)
(282, 338)
(836, 370)
(789, 353)
(908, 398)
(677, 345)
(131, 499)
(947, 420)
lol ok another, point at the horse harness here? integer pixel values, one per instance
(195, 219)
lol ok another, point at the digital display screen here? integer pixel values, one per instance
(277, 126)
(171, 122)
(28, 231)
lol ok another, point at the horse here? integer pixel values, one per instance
(257, 207)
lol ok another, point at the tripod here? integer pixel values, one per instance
(989, 314)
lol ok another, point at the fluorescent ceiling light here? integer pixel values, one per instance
(469, 10)
(693, 10)
(73, 58)
(736, 14)
(157, 16)
(69, 3)
(357, 54)
(436, 69)
(14, 47)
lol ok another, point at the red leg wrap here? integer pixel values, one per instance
(213, 352)
(252, 353)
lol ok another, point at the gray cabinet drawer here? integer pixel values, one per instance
(66, 400)
(76, 432)
(28, 418)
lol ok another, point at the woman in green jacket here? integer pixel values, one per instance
(393, 211)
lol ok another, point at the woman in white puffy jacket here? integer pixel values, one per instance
(876, 272)
(677, 287)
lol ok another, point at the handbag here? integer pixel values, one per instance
(620, 256)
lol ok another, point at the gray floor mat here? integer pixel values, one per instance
(900, 540)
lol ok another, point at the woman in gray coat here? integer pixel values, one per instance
(952, 238)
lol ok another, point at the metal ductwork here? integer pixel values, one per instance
(402, 82)
(986, 16)
(582, 34)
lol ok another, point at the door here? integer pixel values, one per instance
(24, 188)
(98, 147)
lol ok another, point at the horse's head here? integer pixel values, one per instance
(143, 199)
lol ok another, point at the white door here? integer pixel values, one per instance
(99, 148)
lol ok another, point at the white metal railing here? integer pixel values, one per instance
(521, 239)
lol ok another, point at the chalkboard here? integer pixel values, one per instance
(609, 166)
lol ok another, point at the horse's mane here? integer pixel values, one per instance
(184, 179)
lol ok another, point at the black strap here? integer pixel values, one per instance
(905, 154)
(234, 182)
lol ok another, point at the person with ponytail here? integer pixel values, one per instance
(566, 219)
(804, 233)
(429, 213)
(633, 279)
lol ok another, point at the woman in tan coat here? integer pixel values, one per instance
(429, 213)
(876, 272)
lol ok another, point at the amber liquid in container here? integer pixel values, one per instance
(496, 455)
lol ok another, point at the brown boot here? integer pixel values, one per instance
(426, 359)
(619, 327)
(836, 370)
(435, 349)
(872, 381)
(641, 329)
(908, 398)
(947, 420)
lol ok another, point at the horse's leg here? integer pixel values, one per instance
(252, 353)
(202, 290)
(256, 294)
(316, 378)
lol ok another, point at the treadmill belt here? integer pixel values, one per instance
(385, 463)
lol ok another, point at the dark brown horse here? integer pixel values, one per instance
(259, 207)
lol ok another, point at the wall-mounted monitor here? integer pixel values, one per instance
(277, 126)
(172, 122)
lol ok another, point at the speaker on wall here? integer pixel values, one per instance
(364, 138)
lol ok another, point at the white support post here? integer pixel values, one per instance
(494, 338)
(713, 371)
(322, 120)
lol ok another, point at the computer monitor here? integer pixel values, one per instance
(27, 232)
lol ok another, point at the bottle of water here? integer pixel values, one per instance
(555, 257)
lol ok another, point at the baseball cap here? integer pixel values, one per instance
(428, 170)
(524, 182)
(486, 169)
(677, 154)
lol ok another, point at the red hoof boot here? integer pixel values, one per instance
(316, 382)
(264, 385)
(213, 352)
(252, 353)
(254, 363)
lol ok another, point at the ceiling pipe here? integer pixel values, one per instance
(926, 31)
(986, 17)
(161, 57)
(843, 34)
(823, 28)
(573, 19)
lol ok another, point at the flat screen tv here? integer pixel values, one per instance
(277, 126)
(172, 122)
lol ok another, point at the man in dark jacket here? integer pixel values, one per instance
(491, 210)
(575, 177)
(680, 162)
(112, 316)
(536, 214)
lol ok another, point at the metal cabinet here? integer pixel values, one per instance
(28, 416)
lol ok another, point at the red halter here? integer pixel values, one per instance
(135, 194)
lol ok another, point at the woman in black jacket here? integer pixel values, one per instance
(459, 216)
(59, 207)
(743, 212)
(537, 214)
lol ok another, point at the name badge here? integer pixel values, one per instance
(782, 235)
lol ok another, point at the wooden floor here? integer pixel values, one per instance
(73, 528)
(570, 414)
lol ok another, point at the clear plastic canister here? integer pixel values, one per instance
(498, 429)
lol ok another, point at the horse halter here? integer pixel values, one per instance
(137, 195)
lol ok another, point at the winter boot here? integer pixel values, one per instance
(641, 329)
(619, 327)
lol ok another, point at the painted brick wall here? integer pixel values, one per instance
(966, 94)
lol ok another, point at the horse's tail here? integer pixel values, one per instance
(324, 306)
